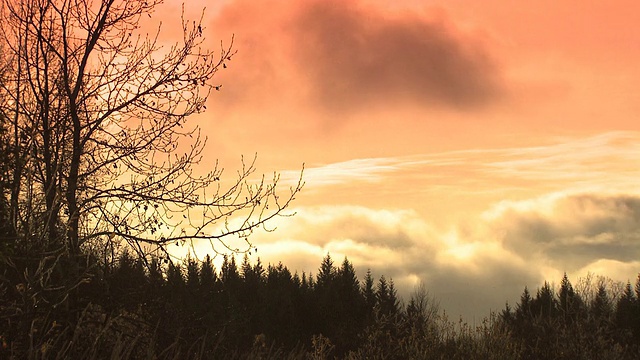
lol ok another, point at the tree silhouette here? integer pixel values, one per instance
(98, 157)
(625, 308)
(601, 307)
(544, 305)
(102, 150)
(569, 303)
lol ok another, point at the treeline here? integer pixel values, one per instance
(598, 322)
(134, 308)
(230, 310)
(154, 308)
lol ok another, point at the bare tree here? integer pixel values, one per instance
(101, 151)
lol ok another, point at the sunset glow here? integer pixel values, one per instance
(476, 147)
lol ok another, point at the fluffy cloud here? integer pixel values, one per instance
(469, 276)
(477, 265)
(573, 230)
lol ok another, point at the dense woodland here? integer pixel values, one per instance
(157, 310)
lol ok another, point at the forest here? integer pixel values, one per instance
(133, 310)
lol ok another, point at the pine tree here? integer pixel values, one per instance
(349, 307)
(544, 305)
(636, 312)
(638, 288)
(394, 301)
(601, 309)
(252, 294)
(387, 297)
(208, 276)
(569, 301)
(281, 322)
(523, 310)
(193, 276)
(369, 292)
(127, 282)
(326, 273)
(625, 308)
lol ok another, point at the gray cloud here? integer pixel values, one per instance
(342, 57)
(486, 262)
(401, 246)
(353, 57)
(575, 230)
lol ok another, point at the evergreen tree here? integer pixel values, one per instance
(281, 323)
(252, 294)
(387, 297)
(523, 310)
(127, 282)
(326, 274)
(638, 288)
(625, 308)
(193, 276)
(229, 273)
(569, 302)
(208, 276)
(394, 301)
(326, 299)
(349, 307)
(544, 305)
(601, 308)
(636, 312)
(369, 293)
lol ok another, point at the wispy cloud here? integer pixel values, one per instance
(604, 162)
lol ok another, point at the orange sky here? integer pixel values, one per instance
(475, 146)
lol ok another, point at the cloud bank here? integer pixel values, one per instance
(478, 264)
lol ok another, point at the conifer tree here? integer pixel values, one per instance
(637, 288)
(208, 276)
(523, 310)
(229, 273)
(369, 292)
(193, 276)
(281, 320)
(569, 302)
(349, 307)
(625, 308)
(544, 305)
(601, 308)
(387, 297)
(326, 273)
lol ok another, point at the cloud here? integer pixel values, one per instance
(355, 56)
(401, 245)
(571, 231)
(487, 258)
(567, 214)
(342, 56)
(597, 164)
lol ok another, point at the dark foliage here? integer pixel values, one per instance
(136, 309)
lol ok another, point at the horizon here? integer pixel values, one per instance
(475, 149)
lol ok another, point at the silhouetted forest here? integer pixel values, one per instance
(101, 176)
(136, 309)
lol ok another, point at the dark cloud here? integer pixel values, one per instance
(353, 57)
(576, 230)
(341, 57)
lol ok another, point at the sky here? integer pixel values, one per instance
(476, 147)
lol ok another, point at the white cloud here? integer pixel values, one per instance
(473, 264)
(595, 163)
